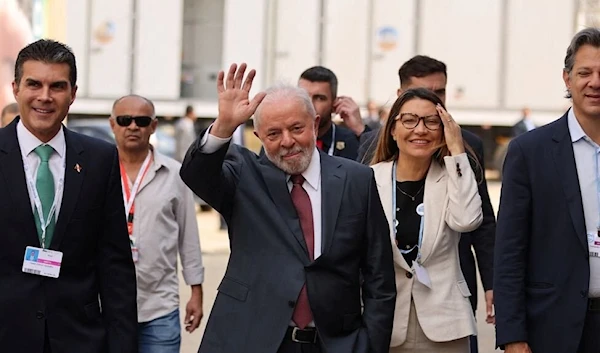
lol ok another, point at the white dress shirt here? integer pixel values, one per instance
(528, 124)
(312, 184)
(27, 143)
(585, 150)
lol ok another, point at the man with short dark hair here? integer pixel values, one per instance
(423, 71)
(547, 273)
(61, 195)
(322, 86)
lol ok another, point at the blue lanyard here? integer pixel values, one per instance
(330, 151)
(595, 155)
(597, 150)
(395, 221)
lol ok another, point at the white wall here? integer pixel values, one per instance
(294, 27)
(345, 45)
(110, 63)
(157, 63)
(244, 36)
(465, 34)
(387, 59)
(77, 39)
(539, 36)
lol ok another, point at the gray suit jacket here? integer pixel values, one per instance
(269, 262)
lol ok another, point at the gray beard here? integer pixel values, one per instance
(296, 167)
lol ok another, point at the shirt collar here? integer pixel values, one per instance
(312, 174)
(575, 129)
(159, 160)
(28, 142)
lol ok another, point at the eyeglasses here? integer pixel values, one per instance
(140, 121)
(411, 121)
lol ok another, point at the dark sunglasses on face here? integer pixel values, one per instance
(140, 121)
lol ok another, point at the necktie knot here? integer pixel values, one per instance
(44, 152)
(297, 179)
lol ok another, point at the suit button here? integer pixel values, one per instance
(408, 274)
(39, 315)
(583, 294)
(292, 304)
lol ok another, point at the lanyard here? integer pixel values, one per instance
(129, 194)
(395, 221)
(596, 151)
(44, 223)
(330, 151)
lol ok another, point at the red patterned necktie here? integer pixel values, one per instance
(302, 315)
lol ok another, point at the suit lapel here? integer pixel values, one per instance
(276, 183)
(383, 177)
(564, 159)
(333, 181)
(75, 170)
(13, 172)
(435, 201)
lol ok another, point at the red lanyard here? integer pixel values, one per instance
(130, 194)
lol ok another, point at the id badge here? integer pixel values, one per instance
(422, 274)
(42, 262)
(135, 254)
(593, 244)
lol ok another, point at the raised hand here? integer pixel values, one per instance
(350, 113)
(452, 133)
(235, 108)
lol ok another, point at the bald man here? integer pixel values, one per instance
(162, 223)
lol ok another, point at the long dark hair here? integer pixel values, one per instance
(387, 149)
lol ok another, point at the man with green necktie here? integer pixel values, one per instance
(65, 262)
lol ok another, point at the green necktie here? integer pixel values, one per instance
(44, 184)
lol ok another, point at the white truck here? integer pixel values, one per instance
(501, 55)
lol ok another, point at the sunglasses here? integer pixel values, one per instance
(140, 121)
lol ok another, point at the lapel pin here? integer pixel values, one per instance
(78, 168)
(340, 145)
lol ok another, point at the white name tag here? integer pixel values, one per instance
(593, 244)
(42, 262)
(422, 274)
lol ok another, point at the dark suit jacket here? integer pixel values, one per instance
(482, 239)
(542, 263)
(345, 144)
(269, 262)
(91, 307)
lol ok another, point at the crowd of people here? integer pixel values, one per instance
(356, 237)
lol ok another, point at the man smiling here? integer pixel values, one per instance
(60, 195)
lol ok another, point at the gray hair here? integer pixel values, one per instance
(283, 91)
(587, 36)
